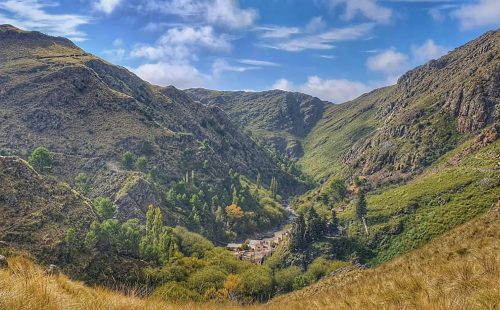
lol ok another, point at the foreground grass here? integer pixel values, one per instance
(459, 270)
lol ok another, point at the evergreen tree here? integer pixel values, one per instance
(104, 207)
(259, 181)
(315, 226)
(297, 234)
(334, 224)
(361, 206)
(41, 160)
(274, 187)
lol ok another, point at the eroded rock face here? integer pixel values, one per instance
(429, 111)
(133, 200)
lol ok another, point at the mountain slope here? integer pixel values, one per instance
(36, 213)
(279, 118)
(392, 133)
(88, 113)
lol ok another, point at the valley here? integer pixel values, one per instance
(150, 197)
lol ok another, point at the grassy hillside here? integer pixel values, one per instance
(459, 270)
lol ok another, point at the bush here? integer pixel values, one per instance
(127, 160)
(81, 183)
(285, 278)
(192, 244)
(257, 282)
(141, 164)
(173, 291)
(41, 160)
(207, 278)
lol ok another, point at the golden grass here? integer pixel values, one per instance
(460, 270)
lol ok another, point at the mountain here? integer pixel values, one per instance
(280, 119)
(91, 114)
(392, 133)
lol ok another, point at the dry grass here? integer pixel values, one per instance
(460, 270)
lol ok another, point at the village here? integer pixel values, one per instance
(255, 250)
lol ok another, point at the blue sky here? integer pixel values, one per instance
(333, 49)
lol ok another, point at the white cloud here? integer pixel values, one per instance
(220, 65)
(218, 12)
(180, 43)
(390, 62)
(166, 73)
(320, 41)
(427, 51)
(316, 24)
(277, 32)
(116, 54)
(367, 8)
(334, 90)
(200, 36)
(479, 14)
(106, 6)
(259, 63)
(33, 15)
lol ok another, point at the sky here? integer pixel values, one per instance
(333, 49)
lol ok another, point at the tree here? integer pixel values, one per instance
(81, 183)
(259, 181)
(41, 160)
(233, 286)
(234, 212)
(127, 160)
(315, 226)
(334, 223)
(205, 164)
(235, 196)
(274, 188)
(92, 236)
(70, 241)
(297, 234)
(361, 206)
(104, 207)
(141, 164)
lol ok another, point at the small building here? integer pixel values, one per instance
(234, 246)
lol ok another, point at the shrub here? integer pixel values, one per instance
(81, 183)
(257, 282)
(285, 278)
(207, 278)
(127, 160)
(141, 164)
(173, 291)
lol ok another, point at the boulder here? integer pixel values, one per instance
(3, 262)
(53, 270)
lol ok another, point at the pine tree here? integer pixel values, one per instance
(235, 196)
(297, 234)
(334, 224)
(361, 206)
(259, 181)
(274, 187)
